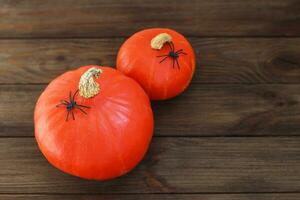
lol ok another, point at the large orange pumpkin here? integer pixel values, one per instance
(161, 60)
(99, 132)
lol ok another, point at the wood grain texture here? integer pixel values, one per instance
(93, 18)
(173, 165)
(156, 197)
(220, 60)
(247, 83)
(105, 197)
(203, 110)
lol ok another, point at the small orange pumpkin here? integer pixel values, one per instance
(93, 122)
(161, 60)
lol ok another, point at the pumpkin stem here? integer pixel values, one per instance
(159, 40)
(88, 87)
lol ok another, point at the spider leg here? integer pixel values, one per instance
(169, 44)
(180, 50)
(172, 46)
(83, 106)
(70, 96)
(81, 110)
(163, 59)
(67, 116)
(73, 114)
(162, 55)
(182, 53)
(62, 102)
(177, 63)
(75, 95)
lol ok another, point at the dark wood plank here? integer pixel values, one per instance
(105, 197)
(203, 110)
(173, 165)
(93, 18)
(39, 61)
(220, 60)
(295, 196)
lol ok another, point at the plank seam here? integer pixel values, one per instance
(191, 136)
(193, 83)
(124, 37)
(156, 193)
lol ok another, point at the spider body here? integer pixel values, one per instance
(71, 105)
(173, 54)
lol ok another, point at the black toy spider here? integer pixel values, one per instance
(173, 54)
(71, 104)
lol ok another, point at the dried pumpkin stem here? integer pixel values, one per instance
(159, 40)
(88, 87)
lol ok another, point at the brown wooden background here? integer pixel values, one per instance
(233, 135)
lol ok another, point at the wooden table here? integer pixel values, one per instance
(233, 135)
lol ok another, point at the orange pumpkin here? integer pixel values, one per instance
(99, 132)
(161, 60)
